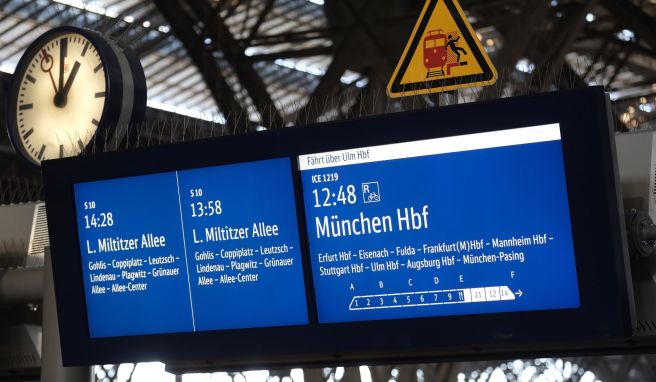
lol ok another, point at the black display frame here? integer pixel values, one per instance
(605, 315)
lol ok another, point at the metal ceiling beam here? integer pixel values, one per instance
(289, 37)
(76, 13)
(570, 79)
(183, 26)
(155, 21)
(350, 39)
(618, 66)
(222, 38)
(327, 84)
(517, 40)
(387, 64)
(556, 43)
(613, 61)
(631, 16)
(124, 34)
(232, 8)
(565, 32)
(296, 53)
(160, 70)
(260, 19)
(63, 8)
(245, 16)
(13, 12)
(194, 98)
(612, 39)
(644, 83)
(642, 66)
(130, 33)
(105, 24)
(29, 17)
(151, 45)
(172, 93)
(289, 78)
(285, 14)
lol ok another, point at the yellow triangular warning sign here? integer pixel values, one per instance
(443, 53)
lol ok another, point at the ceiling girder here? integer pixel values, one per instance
(558, 41)
(590, 70)
(289, 37)
(630, 15)
(359, 33)
(182, 24)
(294, 53)
(30, 16)
(222, 39)
(283, 15)
(151, 45)
(327, 84)
(618, 66)
(560, 38)
(570, 79)
(612, 39)
(260, 18)
(517, 40)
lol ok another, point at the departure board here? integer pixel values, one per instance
(205, 249)
(459, 225)
(451, 233)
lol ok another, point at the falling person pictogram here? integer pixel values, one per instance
(452, 44)
(455, 48)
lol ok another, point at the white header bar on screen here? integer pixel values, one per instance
(427, 147)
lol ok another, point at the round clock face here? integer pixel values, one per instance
(60, 98)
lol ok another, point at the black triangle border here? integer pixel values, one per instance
(487, 74)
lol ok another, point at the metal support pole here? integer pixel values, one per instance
(21, 285)
(52, 369)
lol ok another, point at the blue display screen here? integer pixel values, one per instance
(461, 225)
(450, 226)
(205, 249)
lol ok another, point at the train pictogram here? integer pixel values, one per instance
(441, 51)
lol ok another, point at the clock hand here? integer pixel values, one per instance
(46, 66)
(63, 51)
(60, 98)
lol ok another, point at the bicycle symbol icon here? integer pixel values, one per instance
(371, 192)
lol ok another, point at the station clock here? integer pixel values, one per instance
(72, 88)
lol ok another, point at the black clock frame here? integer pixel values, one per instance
(114, 79)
